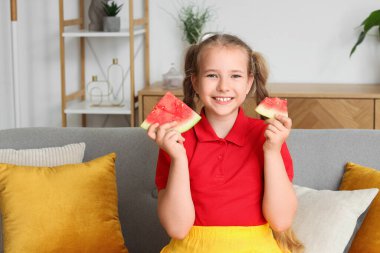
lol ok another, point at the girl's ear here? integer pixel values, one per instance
(194, 83)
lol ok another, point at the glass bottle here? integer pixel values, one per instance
(99, 92)
(115, 77)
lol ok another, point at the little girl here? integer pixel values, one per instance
(225, 184)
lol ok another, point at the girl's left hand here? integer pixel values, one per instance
(277, 131)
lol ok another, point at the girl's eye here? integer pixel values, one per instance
(236, 76)
(212, 75)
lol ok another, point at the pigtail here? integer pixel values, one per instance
(190, 69)
(288, 242)
(260, 73)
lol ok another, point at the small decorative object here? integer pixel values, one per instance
(193, 20)
(111, 23)
(172, 78)
(115, 77)
(96, 13)
(373, 20)
(99, 92)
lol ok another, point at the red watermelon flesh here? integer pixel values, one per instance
(169, 109)
(272, 106)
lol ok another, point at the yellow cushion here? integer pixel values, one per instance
(359, 177)
(69, 208)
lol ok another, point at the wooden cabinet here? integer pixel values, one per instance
(311, 106)
(331, 113)
(377, 114)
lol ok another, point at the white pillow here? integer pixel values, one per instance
(53, 156)
(325, 220)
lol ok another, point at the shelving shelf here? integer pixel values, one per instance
(84, 107)
(91, 34)
(75, 103)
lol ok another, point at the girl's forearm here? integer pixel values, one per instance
(175, 205)
(279, 201)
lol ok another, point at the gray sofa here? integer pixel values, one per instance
(318, 155)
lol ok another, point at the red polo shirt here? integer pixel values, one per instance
(226, 174)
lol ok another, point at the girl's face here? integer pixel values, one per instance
(223, 81)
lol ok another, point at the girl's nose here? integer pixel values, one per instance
(222, 85)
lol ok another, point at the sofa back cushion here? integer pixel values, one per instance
(319, 156)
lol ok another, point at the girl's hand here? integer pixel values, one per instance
(277, 131)
(167, 138)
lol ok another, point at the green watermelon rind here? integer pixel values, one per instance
(186, 125)
(145, 125)
(270, 113)
(182, 127)
(266, 113)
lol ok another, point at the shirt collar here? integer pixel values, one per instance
(237, 134)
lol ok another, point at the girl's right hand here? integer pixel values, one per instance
(168, 138)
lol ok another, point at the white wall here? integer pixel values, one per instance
(303, 41)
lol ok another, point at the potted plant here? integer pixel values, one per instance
(193, 20)
(373, 20)
(111, 23)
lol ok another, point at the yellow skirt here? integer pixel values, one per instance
(229, 239)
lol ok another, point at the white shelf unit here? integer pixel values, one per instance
(75, 102)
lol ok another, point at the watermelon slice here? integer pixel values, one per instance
(271, 106)
(169, 109)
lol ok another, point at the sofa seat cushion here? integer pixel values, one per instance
(325, 219)
(356, 177)
(68, 208)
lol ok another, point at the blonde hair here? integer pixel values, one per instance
(288, 241)
(255, 62)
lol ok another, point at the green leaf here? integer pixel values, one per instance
(360, 40)
(371, 21)
(193, 20)
(111, 9)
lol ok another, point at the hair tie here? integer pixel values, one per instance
(205, 36)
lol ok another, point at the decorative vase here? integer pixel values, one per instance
(172, 79)
(99, 92)
(115, 77)
(96, 14)
(111, 24)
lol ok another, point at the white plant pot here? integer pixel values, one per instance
(111, 24)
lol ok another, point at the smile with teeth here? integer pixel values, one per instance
(223, 99)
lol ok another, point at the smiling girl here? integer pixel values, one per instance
(226, 184)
